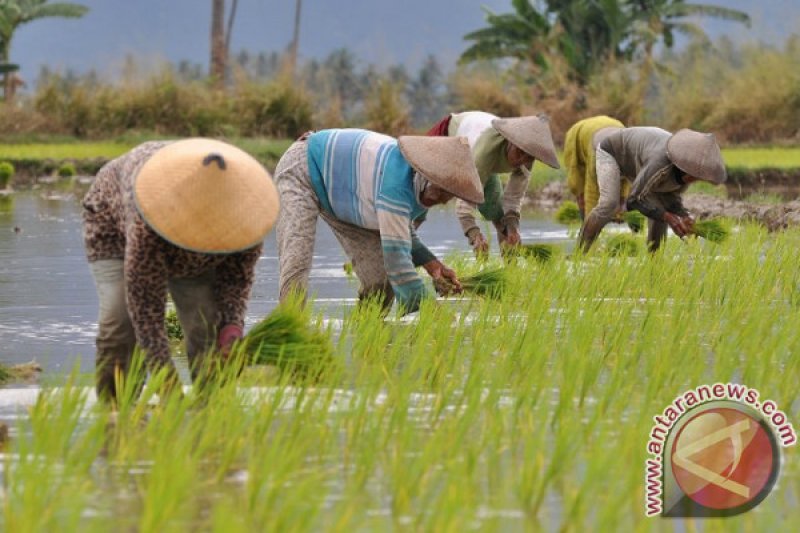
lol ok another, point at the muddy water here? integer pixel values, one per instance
(48, 304)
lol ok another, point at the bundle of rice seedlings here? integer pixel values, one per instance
(541, 252)
(287, 339)
(348, 269)
(635, 220)
(711, 229)
(623, 245)
(568, 213)
(490, 283)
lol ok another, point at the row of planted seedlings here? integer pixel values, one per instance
(528, 410)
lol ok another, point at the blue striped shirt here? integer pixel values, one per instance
(361, 178)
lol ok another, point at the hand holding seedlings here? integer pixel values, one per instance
(445, 280)
(681, 225)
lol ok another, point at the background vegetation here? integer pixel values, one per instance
(744, 93)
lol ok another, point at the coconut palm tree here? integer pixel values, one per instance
(660, 20)
(583, 33)
(14, 13)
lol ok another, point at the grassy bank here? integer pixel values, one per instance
(42, 157)
(527, 412)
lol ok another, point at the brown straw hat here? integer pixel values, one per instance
(532, 135)
(698, 155)
(206, 196)
(446, 162)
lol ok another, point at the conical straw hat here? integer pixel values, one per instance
(532, 135)
(698, 155)
(206, 196)
(446, 162)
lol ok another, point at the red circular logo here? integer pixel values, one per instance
(723, 458)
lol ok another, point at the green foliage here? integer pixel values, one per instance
(490, 283)
(623, 245)
(712, 229)
(540, 252)
(6, 172)
(635, 220)
(513, 394)
(583, 34)
(67, 170)
(287, 338)
(386, 111)
(568, 213)
(278, 109)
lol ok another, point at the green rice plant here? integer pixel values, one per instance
(481, 413)
(4, 373)
(623, 245)
(635, 220)
(6, 172)
(66, 170)
(286, 338)
(490, 283)
(540, 252)
(711, 229)
(568, 213)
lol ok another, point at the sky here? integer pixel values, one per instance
(377, 31)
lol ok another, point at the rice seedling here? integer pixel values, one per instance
(286, 338)
(623, 245)
(712, 229)
(568, 213)
(635, 220)
(490, 283)
(540, 252)
(524, 412)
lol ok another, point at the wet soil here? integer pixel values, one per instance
(773, 216)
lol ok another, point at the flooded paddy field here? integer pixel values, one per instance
(527, 412)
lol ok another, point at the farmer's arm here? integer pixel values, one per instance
(396, 243)
(233, 282)
(641, 197)
(465, 212)
(673, 202)
(420, 254)
(146, 288)
(515, 190)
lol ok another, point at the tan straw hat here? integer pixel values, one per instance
(532, 135)
(206, 196)
(446, 162)
(697, 154)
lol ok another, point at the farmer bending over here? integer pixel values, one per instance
(661, 166)
(186, 218)
(499, 145)
(369, 187)
(580, 145)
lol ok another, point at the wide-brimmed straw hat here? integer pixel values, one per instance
(206, 196)
(698, 155)
(446, 162)
(531, 134)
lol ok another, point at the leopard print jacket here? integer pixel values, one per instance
(114, 229)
